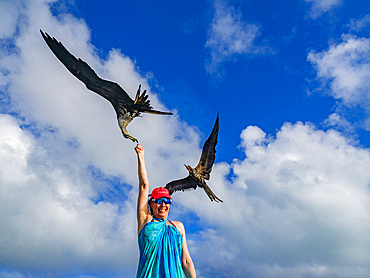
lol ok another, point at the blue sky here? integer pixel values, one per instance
(290, 81)
(266, 80)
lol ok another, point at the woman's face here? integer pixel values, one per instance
(160, 210)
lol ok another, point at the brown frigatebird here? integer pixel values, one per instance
(202, 172)
(126, 108)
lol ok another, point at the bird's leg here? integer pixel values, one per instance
(123, 121)
(128, 135)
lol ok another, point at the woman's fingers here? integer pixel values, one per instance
(139, 148)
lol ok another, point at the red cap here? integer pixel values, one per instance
(160, 192)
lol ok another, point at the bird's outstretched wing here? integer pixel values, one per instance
(182, 184)
(80, 69)
(208, 156)
(189, 183)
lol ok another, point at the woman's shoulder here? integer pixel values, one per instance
(179, 226)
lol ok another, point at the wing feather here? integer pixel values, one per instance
(80, 69)
(208, 156)
(142, 104)
(182, 184)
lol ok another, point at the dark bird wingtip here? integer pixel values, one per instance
(42, 33)
(45, 35)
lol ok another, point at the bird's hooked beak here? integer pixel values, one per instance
(189, 169)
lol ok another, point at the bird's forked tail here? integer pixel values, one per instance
(142, 104)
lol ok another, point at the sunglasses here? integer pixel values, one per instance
(159, 201)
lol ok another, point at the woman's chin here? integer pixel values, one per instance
(161, 215)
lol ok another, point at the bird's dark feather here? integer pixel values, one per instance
(208, 156)
(80, 69)
(199, 174)
(107, 89)
(125, 108)
(182, 184)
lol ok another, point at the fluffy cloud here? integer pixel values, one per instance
(344, 70)
(230, 36)
(50, 216)
(360, 24)
(9, 13)
(297, 207)
(320, 7)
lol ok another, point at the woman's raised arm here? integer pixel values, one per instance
(142, 200)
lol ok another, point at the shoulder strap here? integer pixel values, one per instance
(172, 223)
(165, 220)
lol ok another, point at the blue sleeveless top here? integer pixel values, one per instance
(160, 248)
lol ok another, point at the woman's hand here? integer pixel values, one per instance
(139, 149)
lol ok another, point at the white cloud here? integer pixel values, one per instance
(298, 207)
(320, 7)
(336, 121)
(48, 214)
(229, 36)
(9, 12)
(358, 25)
(345, 69)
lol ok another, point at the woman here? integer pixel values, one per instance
(162, 243)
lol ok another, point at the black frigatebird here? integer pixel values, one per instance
(202, 172)
(126, 108)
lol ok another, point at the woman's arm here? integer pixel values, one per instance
(142, 200)
(187, 262)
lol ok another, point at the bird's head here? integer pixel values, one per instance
(189, 168)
